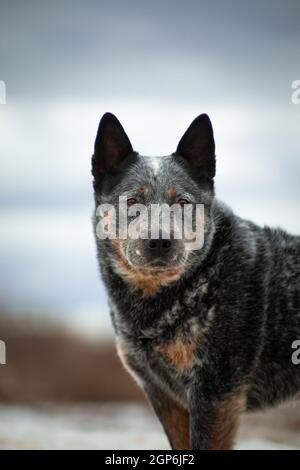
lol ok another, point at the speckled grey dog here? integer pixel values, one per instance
(207, 334)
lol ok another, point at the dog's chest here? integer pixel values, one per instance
(171, 348)
(168, 360)
(178, 354)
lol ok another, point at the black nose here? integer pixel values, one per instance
(160, 246)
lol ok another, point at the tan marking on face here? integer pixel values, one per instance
(172, 192)
(143, 190)
(226, 420)
(180, 352)
(145, 280)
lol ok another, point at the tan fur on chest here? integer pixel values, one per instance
(180, 352)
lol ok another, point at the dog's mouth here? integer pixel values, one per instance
(156, 264)
(176, 262)
(147, 277)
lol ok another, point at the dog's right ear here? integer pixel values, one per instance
(112, 146)
(197, 147)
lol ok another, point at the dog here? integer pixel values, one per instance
(207, 333)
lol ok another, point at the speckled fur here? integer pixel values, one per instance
(217, 340)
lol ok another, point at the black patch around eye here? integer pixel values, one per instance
(183, 201)
(131, 201)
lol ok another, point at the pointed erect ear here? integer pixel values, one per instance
(197, 147)
(111, 146)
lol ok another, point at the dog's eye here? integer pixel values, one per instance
(183, 201)
(131, 201)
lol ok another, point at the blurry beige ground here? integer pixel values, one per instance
(61, 391)
(126, 426)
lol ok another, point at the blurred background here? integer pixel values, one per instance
(156, 65)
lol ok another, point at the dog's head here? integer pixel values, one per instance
(139, 190)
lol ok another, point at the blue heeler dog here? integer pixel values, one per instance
(207, 333)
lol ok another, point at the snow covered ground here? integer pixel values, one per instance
(127, 426)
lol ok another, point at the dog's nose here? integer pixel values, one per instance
(159, 247)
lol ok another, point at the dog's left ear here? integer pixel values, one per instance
(197, 147)
(112, 146)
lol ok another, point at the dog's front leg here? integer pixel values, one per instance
(173, 417)
(214, 422)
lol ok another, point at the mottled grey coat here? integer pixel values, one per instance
(211, 336)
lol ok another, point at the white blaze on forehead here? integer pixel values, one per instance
(155, 164)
